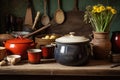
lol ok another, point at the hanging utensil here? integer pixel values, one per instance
(74, 21)
(28, 15)
(45, 18)
(59, 15)
(36, 19)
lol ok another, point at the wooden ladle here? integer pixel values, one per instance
(59, 15)
(45, 18)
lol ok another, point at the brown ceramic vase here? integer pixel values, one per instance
(101, 45)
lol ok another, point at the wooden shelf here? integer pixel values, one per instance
(50, 67)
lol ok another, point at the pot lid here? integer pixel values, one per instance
(19, 40)
(71, 38)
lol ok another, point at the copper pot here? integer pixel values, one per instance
(19, 46)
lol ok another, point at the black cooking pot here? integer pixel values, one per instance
(72, 50)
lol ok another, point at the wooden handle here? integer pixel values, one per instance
(44, 27)
(45, 7)
(29, 3)
(36, 19)
(75, 5)
(58, 4)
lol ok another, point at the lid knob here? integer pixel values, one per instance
(72, 33)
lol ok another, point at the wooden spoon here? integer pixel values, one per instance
(59, 15)
(45, 18)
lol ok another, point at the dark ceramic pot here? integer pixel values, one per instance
(72, 50)
(115, 40)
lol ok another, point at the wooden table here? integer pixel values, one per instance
(50, 67)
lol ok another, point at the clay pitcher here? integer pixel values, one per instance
(101, 45)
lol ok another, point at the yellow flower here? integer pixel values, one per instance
(95, 7)
(100, 17)
(102, 8)
(108, 7)
(98, 10)
(113, 11)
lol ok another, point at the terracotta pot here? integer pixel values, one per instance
(19, 46)
(101, 45)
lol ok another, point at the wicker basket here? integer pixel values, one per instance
(41, 42)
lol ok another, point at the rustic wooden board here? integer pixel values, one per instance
(50, 67)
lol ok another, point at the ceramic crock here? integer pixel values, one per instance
(19, 46)
(115, 40)
(72, 50)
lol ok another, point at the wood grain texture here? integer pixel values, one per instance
(50, 67)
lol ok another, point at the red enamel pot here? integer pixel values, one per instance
(19, 46)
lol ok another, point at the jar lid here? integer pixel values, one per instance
(19, 40)
(71, 38)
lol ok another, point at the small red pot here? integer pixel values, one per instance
(19, 46)
(34, 56)
(47, 51)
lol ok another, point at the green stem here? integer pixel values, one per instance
(107, 21)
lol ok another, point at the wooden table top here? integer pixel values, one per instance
(50, 67)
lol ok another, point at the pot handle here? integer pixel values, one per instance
(33, 45)
(54, 44)
(20, 37)
(4, 42)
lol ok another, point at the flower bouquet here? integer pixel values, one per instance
(100, 17)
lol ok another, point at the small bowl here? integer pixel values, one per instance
(13, 59)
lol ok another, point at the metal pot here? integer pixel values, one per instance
(19, 33)
(19, 46)
(72, 50)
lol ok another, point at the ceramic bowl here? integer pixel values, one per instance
(13, 59)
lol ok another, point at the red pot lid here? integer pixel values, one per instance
(19, 40)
